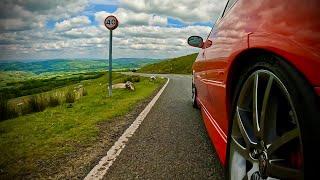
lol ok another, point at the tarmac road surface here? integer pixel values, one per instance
(171, 142)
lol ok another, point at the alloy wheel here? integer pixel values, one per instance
(265, 139)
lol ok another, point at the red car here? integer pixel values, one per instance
(257, 82)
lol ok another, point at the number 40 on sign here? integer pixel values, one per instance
(111, 22)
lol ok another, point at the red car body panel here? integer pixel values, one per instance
(288, 28)
(317, 89)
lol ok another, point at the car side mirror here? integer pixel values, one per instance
(195, 41)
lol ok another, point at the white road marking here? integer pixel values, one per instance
(105, 163)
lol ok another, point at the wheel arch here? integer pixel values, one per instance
(242, 61)
(237, 65)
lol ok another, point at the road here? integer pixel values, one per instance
(171, 142)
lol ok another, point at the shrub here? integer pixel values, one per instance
(53, 101)
(136, 79)
(131, 79)
(84, 92)
(70, 96)
(37, 103)
(3, 107)
(6, 111)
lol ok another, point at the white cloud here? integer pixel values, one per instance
(158, 21)
(188, 11)
(127, 18)
(24, 15)
(71, 23)
(143, 29)
(105, 2)
(129, 41)
(83, 32)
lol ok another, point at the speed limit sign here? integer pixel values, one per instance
(111, 22)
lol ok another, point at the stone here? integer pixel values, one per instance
(130, 86)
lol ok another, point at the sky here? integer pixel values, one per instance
(68, 29)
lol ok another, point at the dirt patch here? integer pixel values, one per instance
(77, 165)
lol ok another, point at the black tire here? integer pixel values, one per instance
(194, 97)
(304, 101)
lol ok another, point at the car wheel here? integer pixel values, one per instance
(194, 97)
(268, 138)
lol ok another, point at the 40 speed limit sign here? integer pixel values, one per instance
(111, 22)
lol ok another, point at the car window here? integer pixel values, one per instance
(217, 20)
(229, 6)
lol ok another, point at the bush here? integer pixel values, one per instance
(6, 111)
(84, 92)
(37, 103)
(70, 96)
(53, 101)
(136, 79)
(131, 79)
(3, 107)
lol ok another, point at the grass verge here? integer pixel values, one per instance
(28, 141)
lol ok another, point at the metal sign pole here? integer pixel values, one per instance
(111, 22)
(110, 64)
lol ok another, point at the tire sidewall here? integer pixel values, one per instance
(302, 96)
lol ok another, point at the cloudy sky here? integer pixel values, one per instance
(49, 29)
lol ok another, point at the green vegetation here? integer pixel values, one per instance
(132, 79)
(37, 103)
(14, 76)
(38, 85)
(6, 110)
(78, 65)
(32, 141)
(179, 65)
(70, 96)
(53, 101)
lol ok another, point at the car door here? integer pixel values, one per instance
(199, 74)
(217, 61)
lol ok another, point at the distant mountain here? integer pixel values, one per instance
(65, 65)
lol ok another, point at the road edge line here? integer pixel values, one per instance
(105, 163)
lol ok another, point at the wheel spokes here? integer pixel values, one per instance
(282, 172)
(262, 130)
(255, 115)
(245, 177)
(284, 139)
(245, 127)
(244, 152)
(264, 106)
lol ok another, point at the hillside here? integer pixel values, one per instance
(66, 65)
(179, 65)
(44, 144)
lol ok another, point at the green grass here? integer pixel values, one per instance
(37, 84)
(179, 65)
(58, 131)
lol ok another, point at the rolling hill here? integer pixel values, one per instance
(65, 65)
(179, 65)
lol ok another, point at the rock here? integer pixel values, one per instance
(130, 86)
(119, 86)
(153, 78)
